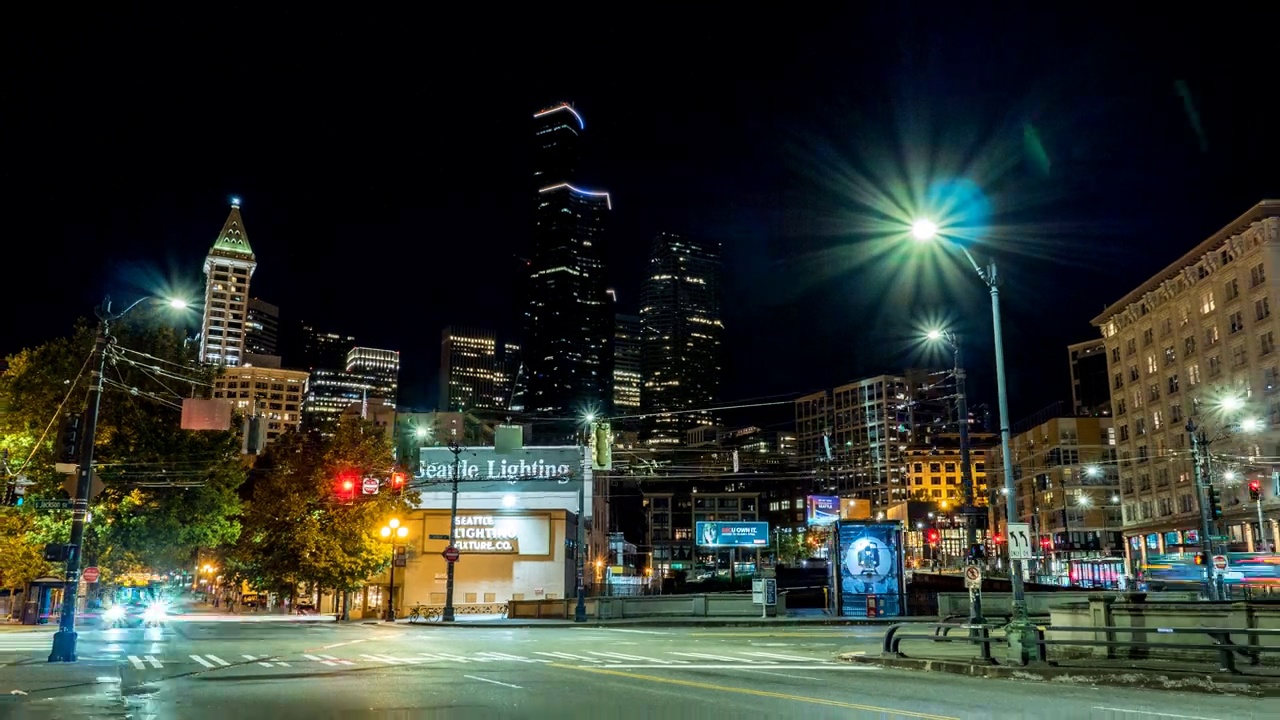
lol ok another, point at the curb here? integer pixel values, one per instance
(1212, 683)
(728, 622)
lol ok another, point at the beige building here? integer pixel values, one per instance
(227, 270)
(270, 393)
(934, 473)
(1199, 331)
(1066, 484)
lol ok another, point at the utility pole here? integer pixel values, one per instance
(64, 640)
(966, 478)
(580, 611)
(447, 615)
(1198, 452)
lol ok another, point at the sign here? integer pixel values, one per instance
(370, 486)
(732, 534)
(1021, 541)
(868, 574)
(90, 574)
(72, 481)
(485, 534)
(1220, 562)
(401, 557)
(52, 504)
(973, 577)
(822, 509)
(434, 536)
(770, 591)
(451, 554)
(483, 464)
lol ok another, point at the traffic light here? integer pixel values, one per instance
(1255, 490)
(1201, 559)
(601, 446)
(345, 489)
(69, 440)
(397, 482)
(932, 536)
(1215, 507)
(997, 538)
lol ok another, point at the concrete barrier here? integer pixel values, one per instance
(1000, 604)
(613, 608)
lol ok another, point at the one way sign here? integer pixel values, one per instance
(1020, 541)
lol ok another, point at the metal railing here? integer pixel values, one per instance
(1220, 637)
(979, 635)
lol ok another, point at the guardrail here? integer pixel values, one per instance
(979, 635)
(1221, 637)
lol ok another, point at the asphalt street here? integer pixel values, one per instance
(202, 669)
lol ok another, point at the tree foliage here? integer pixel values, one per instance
(168, 491)
(295, 528)
(21, 552)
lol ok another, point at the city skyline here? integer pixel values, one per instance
(793, 187)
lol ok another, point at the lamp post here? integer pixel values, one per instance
(1020, 631)
(580, 610)
(447, 615)
(393, 531)
(64, 640)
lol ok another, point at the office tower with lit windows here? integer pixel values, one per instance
(477, 372)
(626, 363)
(381, 365)
(681, 331)
(269, 395)
(568, 323)
(227, 269)
(313, 348)
(262, 328)
(329, 393)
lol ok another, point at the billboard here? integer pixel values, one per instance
(483, 469)
(732, 534)
(869, 574)
(822, 509)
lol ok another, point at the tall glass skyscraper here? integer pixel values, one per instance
(680, 314)
(568, 353)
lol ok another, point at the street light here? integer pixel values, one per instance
(966, 472)
(64, 640)
(400, 532)
(448, 614)
(1020, 631)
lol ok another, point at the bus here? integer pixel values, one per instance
(1180, 571)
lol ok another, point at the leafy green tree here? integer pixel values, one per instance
(21, 552)
(168, 491)
(296, 529)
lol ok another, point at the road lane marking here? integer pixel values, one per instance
(336, 660)
(735, 666)
(567, 656)
(1156, 714)
(785, 634)
(202, 661)
(137, 662)
(614, 657)
(348, 642)
(778, 656)
(322, 661)
(709, 656)
(459, 659)
(638, 632)
(254, 658)
(218, 660)
(757, 693)
(495, 682)
(793, 677)
(381, 659)
(154, 662)
(517, 658)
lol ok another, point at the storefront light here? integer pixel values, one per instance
(508, 500)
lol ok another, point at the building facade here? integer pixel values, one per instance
(262, 328)
(271, 394)
(227, 269)
(329, 392)
(672, 519)
(473, 374)
(1066, 478)
(1197, 342)
(320, 349)
(682, 329)
(627, 378)
(568, 347)
(381, 365)
(1090, 392)
(934, 472)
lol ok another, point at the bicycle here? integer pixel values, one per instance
(424, 612)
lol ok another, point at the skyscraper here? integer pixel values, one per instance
(476, 371)
(1090, 393)
(227, 270)
(262, 328)
(626, 363)
(680, 313)
(568, 320)
(320, 349)
(381, 365)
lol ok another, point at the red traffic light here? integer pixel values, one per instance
(932, 536)
(997, 538)
(1255, 489)
(397, 481)
(348, 484)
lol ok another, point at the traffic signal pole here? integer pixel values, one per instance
(64, 640)
(448, 614)
(1198, 441)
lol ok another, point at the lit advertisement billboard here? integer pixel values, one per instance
(822, 509)
(732, 534)
(870, 569)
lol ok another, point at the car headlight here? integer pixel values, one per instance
(155, 612)
(114, 613)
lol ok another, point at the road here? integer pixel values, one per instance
(203, 669)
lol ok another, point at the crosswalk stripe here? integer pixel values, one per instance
(255, 659)
(615, 657)
(154, 662)
(202, 661)
(567, 656)
(709, 656)
(380, 659)
(794, 658)
(334, 659)
(218, 660)
(320, 660)
(460, 659)
(517, 658)
(137, 662)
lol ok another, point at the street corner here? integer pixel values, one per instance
(41, 680)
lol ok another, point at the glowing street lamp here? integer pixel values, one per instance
(924, 230)
(400, 532)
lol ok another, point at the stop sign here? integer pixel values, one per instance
(90, 575)
(1219, 562)
(451, 554)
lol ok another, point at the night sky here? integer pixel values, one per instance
(384, 170)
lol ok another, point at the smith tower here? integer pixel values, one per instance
(568, 320)
(227, 270)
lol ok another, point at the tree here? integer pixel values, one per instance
(168, 491)
(21, 552)
(297, 529)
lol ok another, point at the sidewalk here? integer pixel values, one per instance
(961, 658)
(494, 621)
(19, 628)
